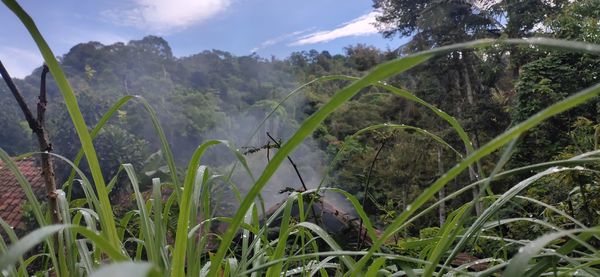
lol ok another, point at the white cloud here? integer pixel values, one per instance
(279, 39)
(362, 26)
(20, 62)
(166, 15)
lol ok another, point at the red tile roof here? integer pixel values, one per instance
(12, 196)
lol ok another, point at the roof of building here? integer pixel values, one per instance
(12, 196)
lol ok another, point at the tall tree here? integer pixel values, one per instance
(458, 86)
(555, 76)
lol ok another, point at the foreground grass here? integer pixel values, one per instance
(301, 247)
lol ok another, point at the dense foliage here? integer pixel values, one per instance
(394, 143)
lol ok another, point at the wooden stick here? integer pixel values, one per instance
(38, 128)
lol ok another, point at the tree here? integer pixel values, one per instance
(362, 57)
(553, 78)
(16, 136)
(433, 23)
(454, 79)
(38, 126)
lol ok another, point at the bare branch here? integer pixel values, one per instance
(291, 161)
(41, 106)
(362, 235)
(299, 176)
(38, 128)
(11, 85)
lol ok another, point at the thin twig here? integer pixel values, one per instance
(15, 92)
(297, 173)
(41, 106)
(361, 234)
(291, 161)
(268, 152)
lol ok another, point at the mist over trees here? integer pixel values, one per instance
(473, 149)
(217, 95)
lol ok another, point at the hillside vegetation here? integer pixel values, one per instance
(466, 142)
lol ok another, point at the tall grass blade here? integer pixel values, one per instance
(500, 202)
(146, 224)
(308, 127)
(86, 185)
(348, 261)
(106, 214)
(373, 269)
(12, 236)
(448, 232)
(35, 204)
(159, 223)
(283, 236)
(17, 250)
(506, 155)
(94, 133)
(518, 265)
(180, 249)
(25, 186)
(488, 148)
(166, 149)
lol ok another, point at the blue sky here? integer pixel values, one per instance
(268, 27)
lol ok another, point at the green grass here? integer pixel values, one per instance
(300, 247)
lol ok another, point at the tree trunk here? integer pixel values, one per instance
(442, 192)
(46, 147)
(471, 102)
(468, 85)
(38, 128)
(458, 92)
(586, 207)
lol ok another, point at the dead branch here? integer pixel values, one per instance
(297, 173)
(291, 161)
(361, 236)
(38, 128)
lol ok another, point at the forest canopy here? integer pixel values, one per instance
(387, 149)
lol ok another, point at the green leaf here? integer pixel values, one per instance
(519, 263)
(375, 266)
(181, 238)
(106, 214)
